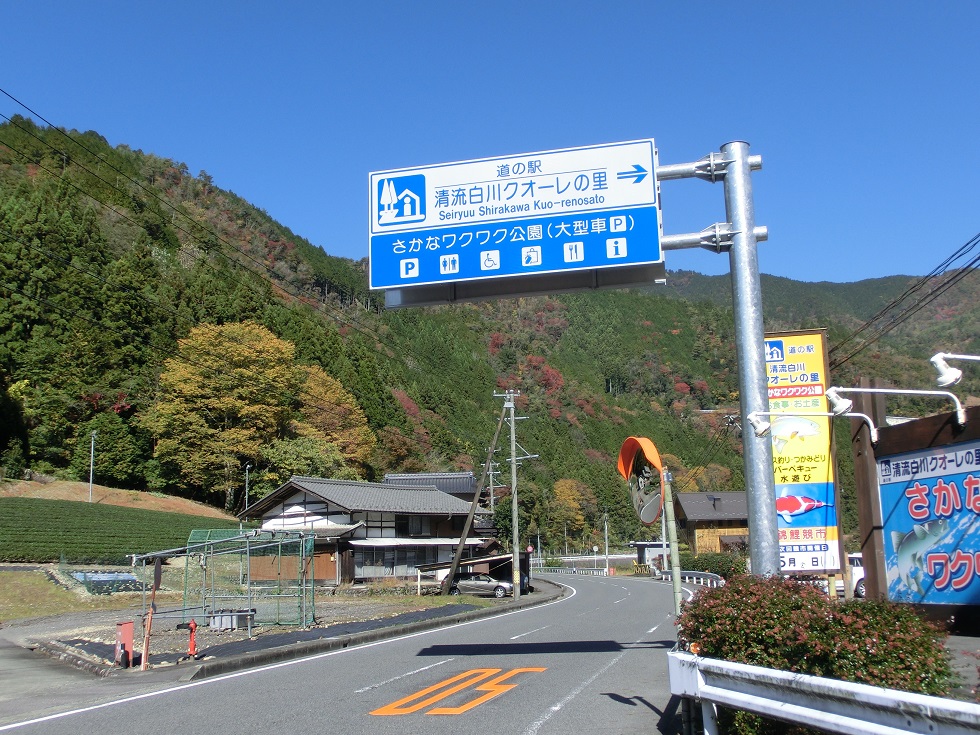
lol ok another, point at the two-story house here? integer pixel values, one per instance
(366, 530)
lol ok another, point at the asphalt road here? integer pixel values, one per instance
(591, 662)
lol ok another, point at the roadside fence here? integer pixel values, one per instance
(826, 704)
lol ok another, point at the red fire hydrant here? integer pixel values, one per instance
(192, 627)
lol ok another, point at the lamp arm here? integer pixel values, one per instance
(960, 413)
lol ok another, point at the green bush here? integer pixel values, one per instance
(724, 565)
(793, 626)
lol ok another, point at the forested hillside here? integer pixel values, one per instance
(189, 336)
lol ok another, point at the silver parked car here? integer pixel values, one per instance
(467, 583)
(856, 562)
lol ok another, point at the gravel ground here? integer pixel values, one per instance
(92, 634)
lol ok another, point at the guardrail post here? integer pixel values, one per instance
(709, 718)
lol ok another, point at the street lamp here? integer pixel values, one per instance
(91, 466)
(761, 428)
(841, 405)
(949, 375)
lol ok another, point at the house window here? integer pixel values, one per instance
(379, 525)
(406, 525)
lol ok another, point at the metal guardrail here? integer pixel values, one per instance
(589, 571)
(828, 704)
(705, 579)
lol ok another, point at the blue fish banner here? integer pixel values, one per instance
(930, 504)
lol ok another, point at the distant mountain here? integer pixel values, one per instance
(788, 303)
(112, 261)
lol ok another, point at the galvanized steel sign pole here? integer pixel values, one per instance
(740, 237)
(432, 243)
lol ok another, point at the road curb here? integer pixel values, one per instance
(70, 657)
(303, 650)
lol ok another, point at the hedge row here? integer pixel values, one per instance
(792, 626)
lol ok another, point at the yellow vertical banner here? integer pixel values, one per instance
(797, 378)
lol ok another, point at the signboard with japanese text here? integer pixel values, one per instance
(573, 209)
(806, 503)
(930, 505)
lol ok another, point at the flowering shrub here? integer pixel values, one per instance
(793, 626)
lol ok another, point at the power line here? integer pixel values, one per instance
(908, 312)
(358, 326)
(885, 321)
(265, 272)
(355, 324)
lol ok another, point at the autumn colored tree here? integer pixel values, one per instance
(305, 455)
(566, 510)
(334, 413)
(231, 390)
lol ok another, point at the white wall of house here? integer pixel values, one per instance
(385, 545)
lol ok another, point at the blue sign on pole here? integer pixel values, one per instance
(565, 210)
(930, 504)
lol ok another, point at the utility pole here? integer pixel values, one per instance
(605, 522)
(675, 562)
(91, 467)
(248, 466)
(448, 582)
(515, 545)
(515, 535)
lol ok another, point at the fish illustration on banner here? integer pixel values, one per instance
(911, 547)
(788, 505)
(930, 508)
(788, 428)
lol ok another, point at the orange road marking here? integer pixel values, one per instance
(436, 692)
(493, 688)
(468, 678)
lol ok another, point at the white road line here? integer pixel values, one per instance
(556, 708)
(396, 678)
(270, 667)
(529, 632)
(619, 601)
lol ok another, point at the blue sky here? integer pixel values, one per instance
(865, 114)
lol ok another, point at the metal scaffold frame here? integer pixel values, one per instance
(238, 578)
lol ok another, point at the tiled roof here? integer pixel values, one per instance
(370, 496)
(714, 506)
(458, 483)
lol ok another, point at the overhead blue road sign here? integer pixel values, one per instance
(523, 215)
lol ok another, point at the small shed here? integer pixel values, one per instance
(713, 522)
